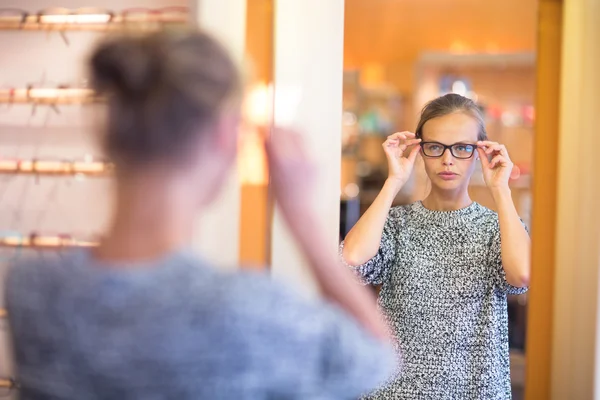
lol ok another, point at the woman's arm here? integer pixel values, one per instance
(363, 240)
(514, 239)
(515, 242)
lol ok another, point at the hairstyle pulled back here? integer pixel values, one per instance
(163, 90)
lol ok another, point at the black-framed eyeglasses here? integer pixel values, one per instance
(461, 151)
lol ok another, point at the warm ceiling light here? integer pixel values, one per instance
(257, 104)
(459, 87)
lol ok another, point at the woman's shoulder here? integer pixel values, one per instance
(403, 211)
(485, 214)
(489, 219)
(399, 215)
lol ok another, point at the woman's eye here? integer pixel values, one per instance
(434, 147)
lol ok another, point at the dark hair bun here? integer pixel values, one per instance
(130, 66)
(164, 90)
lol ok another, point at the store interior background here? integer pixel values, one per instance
(397, 56)
(400, 54)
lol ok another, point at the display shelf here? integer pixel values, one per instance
(59, 95)
(92, 19)
(86, 167)
(45, 241)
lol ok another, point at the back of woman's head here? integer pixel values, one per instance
(164, 91)
(449, 104)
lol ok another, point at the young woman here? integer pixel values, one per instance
(140, 317)
(445, 264)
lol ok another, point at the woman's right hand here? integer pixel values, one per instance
(399, 166)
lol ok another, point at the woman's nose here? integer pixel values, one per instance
(447, 157)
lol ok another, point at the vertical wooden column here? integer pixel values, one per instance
(563, 344)
(255, 209)
(308, 75)
(544, 188)
(217, 234)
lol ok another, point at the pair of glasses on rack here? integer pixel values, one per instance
(56, 167)
(97, 19)
(51, 96)
(165, 15)
(12, 244)
(36, 240)
(64, 18)
(53, 16)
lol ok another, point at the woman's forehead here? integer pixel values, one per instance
(452, 128)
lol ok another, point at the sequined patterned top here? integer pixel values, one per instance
(443, 291)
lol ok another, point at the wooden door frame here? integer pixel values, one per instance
(544, 188)
(563, 353)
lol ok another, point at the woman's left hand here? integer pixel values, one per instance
(497, 171)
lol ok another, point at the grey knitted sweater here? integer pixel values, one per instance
(444, 293)
(176, 328)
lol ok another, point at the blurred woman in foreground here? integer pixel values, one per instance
(140, 317)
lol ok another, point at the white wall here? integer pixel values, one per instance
(217, 233)
(308, 74)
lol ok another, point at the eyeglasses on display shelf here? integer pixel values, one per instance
(91, 18)
(45, 241)
(58, 17)
(51, 96)
(14, 244)
(162, 16)
(86, 167)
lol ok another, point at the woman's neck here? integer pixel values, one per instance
(440, 200)
(151, 218)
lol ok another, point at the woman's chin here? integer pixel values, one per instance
(450, 185)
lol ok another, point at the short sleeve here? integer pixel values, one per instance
(376, 270)
(312, 349)
(495, 259)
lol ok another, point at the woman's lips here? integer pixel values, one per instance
(447, 175)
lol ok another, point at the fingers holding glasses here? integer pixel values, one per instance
(498, 160)
(492, 148)
(400, 141)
